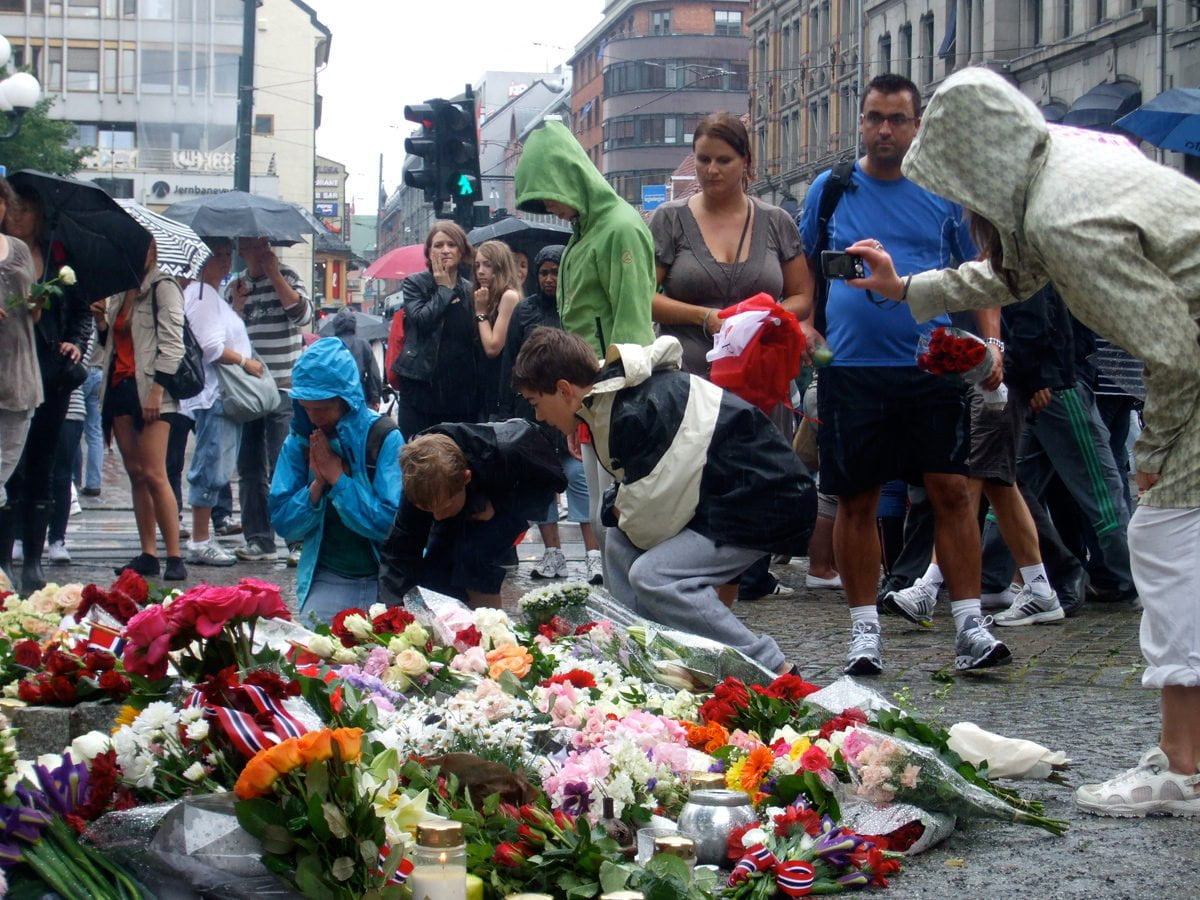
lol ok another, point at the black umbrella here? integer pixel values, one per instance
(521, 235)
(103, 244)
(367, 327)
(237, 214)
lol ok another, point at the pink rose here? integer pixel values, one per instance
(268, 602)
(473, 662)
(148, 640)
(208, 609)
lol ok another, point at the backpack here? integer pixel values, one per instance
(380, 429)
(831, 195)
(188, 380)
(395, 346)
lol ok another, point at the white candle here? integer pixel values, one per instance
(438, 882)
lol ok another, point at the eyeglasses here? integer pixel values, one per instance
(896, 120)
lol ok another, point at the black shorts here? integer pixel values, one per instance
(878, 423)
(121, 399)
(995, 434)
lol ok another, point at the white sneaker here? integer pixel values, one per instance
(210, 553)
(18, 551)
(1001, 599)
(595, 567)
(58, 552)
(914, 603)
(1030, 609)
(1148, 788)
(553, 565)
(76, 509)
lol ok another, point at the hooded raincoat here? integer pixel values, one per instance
(1117, 234)
(607, 279)
(366, 506)
(345, 329)
(687, 454)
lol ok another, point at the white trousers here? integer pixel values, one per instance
(1164, 556)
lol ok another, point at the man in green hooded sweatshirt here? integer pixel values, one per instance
(606, 279)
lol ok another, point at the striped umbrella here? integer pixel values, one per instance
(181, 252)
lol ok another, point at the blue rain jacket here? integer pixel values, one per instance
(326, 370)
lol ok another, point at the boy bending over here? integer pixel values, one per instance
(704, 483)
(469, 493)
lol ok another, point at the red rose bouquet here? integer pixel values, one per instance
(952, 351)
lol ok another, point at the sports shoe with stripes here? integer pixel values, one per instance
(1029, 609)
(914, 603)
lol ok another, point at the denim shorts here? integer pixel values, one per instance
(214, 457)
(577, 493)
(330, 593)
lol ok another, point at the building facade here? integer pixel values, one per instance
(152, 86)
(1084, 62)
(645, 76)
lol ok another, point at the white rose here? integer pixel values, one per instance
(754, 836)
(66, 275)
(194, 772)
(321, 645)
(88, 746)
(501, 637)
(198, 730)
(376, 609)
(416, 634)
(412, 663)
(359, 626)
(393, 677)
(398, 645)
(344, 655)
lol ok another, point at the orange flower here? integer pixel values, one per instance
(349, 743)
(709, 737)
(284, 756)
(315, 746)
(257, 778)
(510, 658)
(758, 765)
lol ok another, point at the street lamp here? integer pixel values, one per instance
(19, 93)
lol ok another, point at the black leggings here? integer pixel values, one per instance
(29, 483)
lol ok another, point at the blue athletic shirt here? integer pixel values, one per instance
(920, 230)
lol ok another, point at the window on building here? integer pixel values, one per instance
(660, 21)
(88, 8)
(905, 62)
(927, 48)
(814, 126)
(85, 136)
(264, 124)
(883, 59)
(796, 48)
(52, 77)
(156, 9)
(109, 70)
(1033, 25)
(157, 71)
(786, 47)
(225, 74)
(1193, 11)
(227, 10)
(116, 137)
(814, 27)
(1066, 13)
(727, 22)
(185, 70)
(83, 69)
(1100, 10)
(17, 6)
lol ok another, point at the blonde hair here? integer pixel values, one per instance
(433, 468)
(504, 273)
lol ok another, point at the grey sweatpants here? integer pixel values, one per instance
(675, 584)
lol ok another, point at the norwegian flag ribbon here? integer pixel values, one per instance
(757, 859)
(242, 730)
(400, 876)
(795, 877)
(285, 723)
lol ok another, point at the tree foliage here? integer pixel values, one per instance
(42, 143)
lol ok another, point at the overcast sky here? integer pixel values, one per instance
(387, 53)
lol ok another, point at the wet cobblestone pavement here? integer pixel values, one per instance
(1073, 686)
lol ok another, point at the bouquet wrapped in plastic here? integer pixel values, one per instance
(885, 768)
(952, 351)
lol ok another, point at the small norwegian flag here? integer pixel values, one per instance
(101, 637)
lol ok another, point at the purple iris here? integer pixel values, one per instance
(22, 824)
(64, 786)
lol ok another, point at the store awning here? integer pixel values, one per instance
(1104, 104)
(947, 47)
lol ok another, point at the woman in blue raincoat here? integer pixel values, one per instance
(337, 483)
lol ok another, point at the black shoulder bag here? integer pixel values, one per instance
(188, 380)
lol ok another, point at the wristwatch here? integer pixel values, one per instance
(480, 317)
(995, 342)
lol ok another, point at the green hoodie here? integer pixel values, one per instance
(607, 279)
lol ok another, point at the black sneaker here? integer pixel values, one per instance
(175, 570)
(144, 564)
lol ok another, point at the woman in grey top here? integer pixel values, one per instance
(21, 383)
(721, 246)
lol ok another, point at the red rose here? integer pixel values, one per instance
(467, 638)
(814, 759)
(59, 663)
(339, 630)
(790, 687)
(848, 719)
(99, 660)
(29, 691)
(115, 684)
(392, 620)
(133, 586)
(511, 855)
(62, 689)
(576, 678)
(584, 629)
(714, 710)
(733, 691)
(28, 654)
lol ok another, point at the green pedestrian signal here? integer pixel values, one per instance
(466, 186)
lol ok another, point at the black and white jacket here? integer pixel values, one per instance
(687, 454)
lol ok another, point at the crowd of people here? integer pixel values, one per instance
(598, 384)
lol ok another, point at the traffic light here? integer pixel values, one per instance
(458, 152)
(425, 147)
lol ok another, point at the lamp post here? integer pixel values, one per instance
(19, 93)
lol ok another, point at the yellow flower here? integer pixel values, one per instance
(733, 775)
(799, 747)
(125, 717)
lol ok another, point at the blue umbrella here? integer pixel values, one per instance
(1170, 121)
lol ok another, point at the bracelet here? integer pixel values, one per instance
(995, 342)
(904, 293)
(480, 317)
(704, 324)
